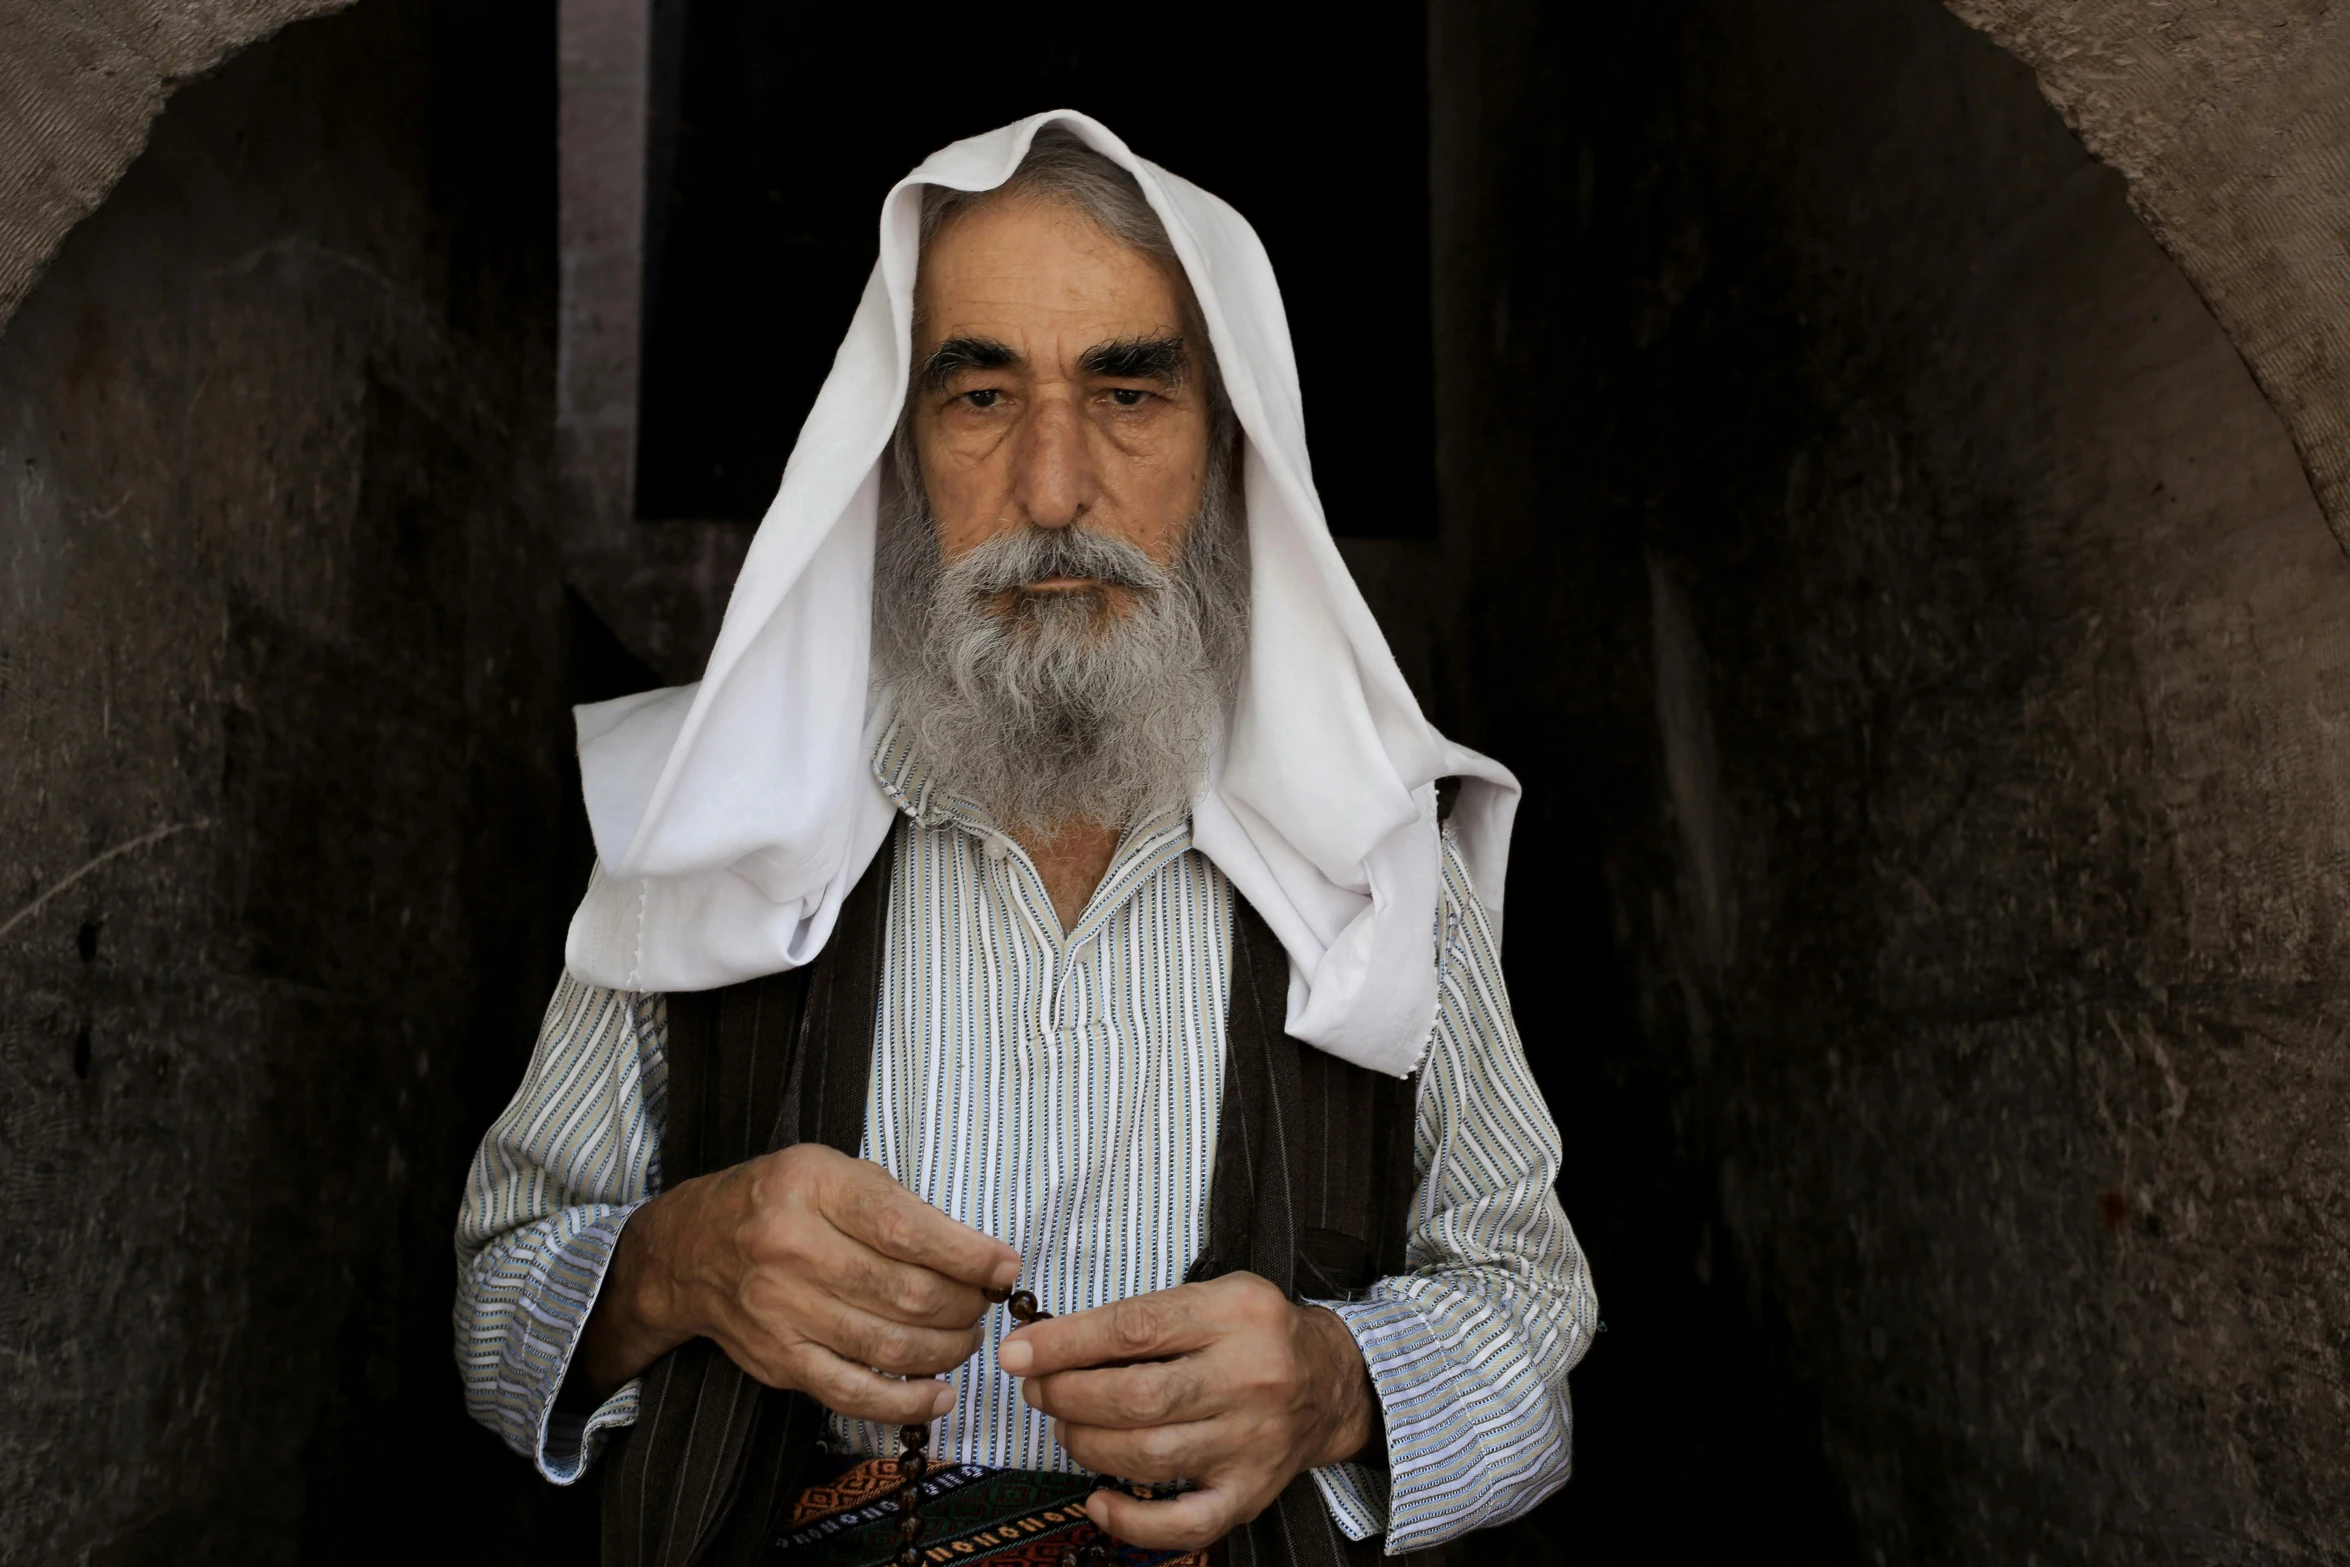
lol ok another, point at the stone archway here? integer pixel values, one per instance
(79, 86)
(2104, 721)
(2232, 125)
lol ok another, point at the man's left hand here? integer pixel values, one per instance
(1226, 1384)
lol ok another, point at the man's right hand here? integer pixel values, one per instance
(812, 1270)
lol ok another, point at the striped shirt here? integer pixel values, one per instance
(1061, 1090)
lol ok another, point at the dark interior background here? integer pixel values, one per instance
(777, 124)
(1913, 627)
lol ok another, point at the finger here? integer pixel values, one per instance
(866, 1203)
(1140, 1327)
(1190, 1522)
(1183, 1452)
(896, 1347)
(1159, 1393)
(858, 1393)
(900, 1291)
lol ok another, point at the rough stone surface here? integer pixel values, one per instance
(2231, 122)
(80, 82)
(1928, 656)
(282, 764)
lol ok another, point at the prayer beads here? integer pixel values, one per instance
(914, 1458)
(914, 1464)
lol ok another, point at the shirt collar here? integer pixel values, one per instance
(908, 782)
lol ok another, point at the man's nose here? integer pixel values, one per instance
(1056, 479)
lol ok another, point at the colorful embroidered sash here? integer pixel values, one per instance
(1002, 1517)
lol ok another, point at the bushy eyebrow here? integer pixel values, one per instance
(1162, 359)
(958, 354)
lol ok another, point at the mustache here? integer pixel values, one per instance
(1012, 561)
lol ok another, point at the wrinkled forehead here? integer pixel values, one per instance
(1031, 265)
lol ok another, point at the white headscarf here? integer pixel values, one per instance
(732, 816)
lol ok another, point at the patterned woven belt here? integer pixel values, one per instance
(1004, 1517)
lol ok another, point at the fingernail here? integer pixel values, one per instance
(1015, 1356)
(944, 1401)
(1006, 1275)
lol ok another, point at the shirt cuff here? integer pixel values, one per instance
(1400, 1353)
(1408, 1366)
(1356, 1495)
(556, 1310)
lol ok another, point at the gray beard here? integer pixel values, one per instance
(1054, 708)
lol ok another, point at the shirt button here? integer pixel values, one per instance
(997, 849)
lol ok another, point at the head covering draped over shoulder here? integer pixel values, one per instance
(732, 816)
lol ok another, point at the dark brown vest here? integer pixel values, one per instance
(1312, 1189)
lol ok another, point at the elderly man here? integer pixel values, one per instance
(1045, 888)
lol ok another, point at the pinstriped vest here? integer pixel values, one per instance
(1312, 1189)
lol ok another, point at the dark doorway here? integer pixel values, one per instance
(776, 127)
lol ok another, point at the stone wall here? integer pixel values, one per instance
(2231, 125)
(1928, 656)
(282, 763)
(79, 86)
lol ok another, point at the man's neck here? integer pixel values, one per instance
(1072, 859)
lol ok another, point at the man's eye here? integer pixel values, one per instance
(985, 397)
(1128, 396)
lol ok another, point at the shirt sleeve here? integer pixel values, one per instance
(1469, 1351)
(573, 1156)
